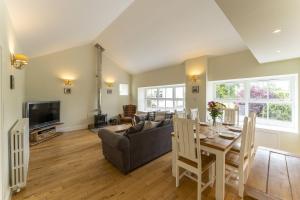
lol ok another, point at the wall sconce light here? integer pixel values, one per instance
(194, 78)
(68, 83)
(19, 60)
(109, 83)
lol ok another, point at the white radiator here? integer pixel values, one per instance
(19, 154)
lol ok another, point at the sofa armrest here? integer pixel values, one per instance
(113, 139)
(115, 149)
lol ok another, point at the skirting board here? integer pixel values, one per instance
(72, 128)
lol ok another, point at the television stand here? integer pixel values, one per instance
(43, 134)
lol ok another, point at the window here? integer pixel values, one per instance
(163, 98)
(123, 88)
(274, 99)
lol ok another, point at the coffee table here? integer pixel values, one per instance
(118, 128)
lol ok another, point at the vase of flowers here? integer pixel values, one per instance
(215, 110)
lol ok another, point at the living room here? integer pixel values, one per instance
(164, 58)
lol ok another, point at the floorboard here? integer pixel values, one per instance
(71, 166)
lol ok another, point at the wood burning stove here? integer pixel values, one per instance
(100, 120)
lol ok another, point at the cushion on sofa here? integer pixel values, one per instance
(134, 129)
(140, 117)
(150, 125)
(159, 116)
(165, 122)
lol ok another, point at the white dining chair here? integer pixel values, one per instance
(237, 163)
(237, 146)
(194, 113)
(180, 114)
(188, 155)
(231, 115)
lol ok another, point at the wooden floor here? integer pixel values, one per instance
(71, 167)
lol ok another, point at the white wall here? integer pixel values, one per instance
(198, 67)
(164, 76)
(10, 100)
(44, 82)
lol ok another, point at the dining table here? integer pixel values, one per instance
(218, 146)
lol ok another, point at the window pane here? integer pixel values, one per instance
(169, 104)
(148, 93)
(230, 91)
(242, 108)
(179, 93)
(161, 103)
(259, 108)
(123, 89)
(151, 103)
(169, 92)
(179, 103)
(282, 112)
(161, 93)
(279, 89)
(259, 90)
(153, 93)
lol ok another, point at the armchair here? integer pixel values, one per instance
(128, 114)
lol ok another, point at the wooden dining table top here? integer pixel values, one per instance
(274, 175)
(218, 142)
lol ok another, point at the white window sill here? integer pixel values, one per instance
(276, 129)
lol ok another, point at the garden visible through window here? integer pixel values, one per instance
(274, 99)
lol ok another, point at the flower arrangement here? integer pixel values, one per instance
(215, 110)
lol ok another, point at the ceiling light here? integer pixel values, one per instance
(276, 31)
(278, 51)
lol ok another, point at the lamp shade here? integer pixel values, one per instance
(19, 60)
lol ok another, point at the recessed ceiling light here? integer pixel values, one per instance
(278, 51)
(276, 31)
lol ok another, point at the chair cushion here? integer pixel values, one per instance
(126, 119)
(206, 161)
(233, 159)
(236, 147)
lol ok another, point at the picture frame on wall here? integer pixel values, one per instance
(12, 82)
(109, 91)
(67, 90)
(195, 89)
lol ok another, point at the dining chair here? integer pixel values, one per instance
(231, 115)
(180, 114)
(188, 155)
(194, 113)
(237, 163)
(237, 146)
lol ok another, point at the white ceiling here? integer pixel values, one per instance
(155, 33)
(46, 26)
(255, 20)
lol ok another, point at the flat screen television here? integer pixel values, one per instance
(42, 113)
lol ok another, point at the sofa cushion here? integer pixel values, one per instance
(134, 129)
(150, 125)
(140, 117)
(159, 116)
(165, 122)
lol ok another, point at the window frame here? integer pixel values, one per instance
(263, 123)
(123, 94)
(157, 98)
